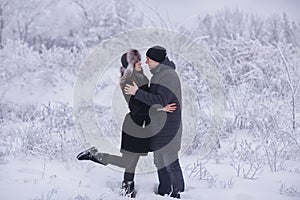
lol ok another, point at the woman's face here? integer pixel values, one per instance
(138, 66)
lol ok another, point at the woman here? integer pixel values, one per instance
(135, 137)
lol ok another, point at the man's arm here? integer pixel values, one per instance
(164, 92)
(162, 97)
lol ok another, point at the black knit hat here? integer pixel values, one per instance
(124, 60)
(157, 53)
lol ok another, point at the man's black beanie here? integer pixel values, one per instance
(157, 53)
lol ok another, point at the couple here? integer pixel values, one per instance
(153, 123)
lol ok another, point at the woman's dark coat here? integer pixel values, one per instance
(135, 138)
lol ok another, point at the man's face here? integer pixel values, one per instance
(151, 63)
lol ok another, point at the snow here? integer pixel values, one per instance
(43, 44)
(43, 179)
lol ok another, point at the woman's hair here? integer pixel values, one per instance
(124, 60)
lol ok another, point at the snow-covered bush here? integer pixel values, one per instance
(49, 196)
(291, 191)
(46, 130)
(66, 23)
(246, 157)
(215, 182)
(24, 71)
(198, 170)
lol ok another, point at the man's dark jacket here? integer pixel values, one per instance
(165, 88)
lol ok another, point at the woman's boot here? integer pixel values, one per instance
(93, 155)
(128, 189)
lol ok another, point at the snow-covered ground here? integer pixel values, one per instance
(43, 179)
(257, 56)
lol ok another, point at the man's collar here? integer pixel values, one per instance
(156, 69)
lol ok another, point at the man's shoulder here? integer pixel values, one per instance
(170, 73)
(169, 77)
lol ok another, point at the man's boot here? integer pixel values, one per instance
(164, 186)
(175, 194)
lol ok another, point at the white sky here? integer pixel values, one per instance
(182, 11)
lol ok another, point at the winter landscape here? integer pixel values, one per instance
(43, 45)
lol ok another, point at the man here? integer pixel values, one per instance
(166, 129)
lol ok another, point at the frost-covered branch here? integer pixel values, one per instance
(3, 4)
(287, 70)
(293, 88)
